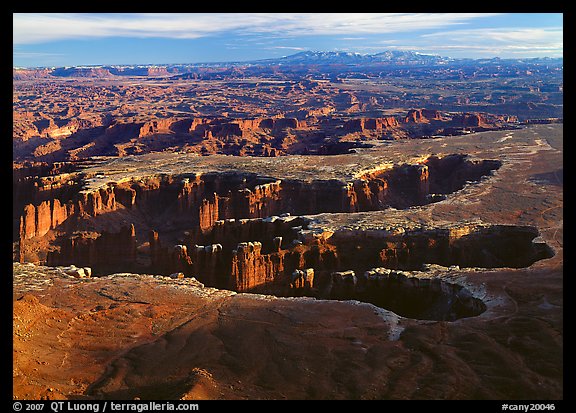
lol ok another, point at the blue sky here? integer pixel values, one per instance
(67, 39)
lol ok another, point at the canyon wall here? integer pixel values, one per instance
(277, 264)
(44, 137)
(217, 127)
(204, 199)
(37, 220)
(237, 232)
(215, 213)
(370, 124)
(422, 116)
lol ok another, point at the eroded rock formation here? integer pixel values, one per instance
(198, 202)
(292, 226)
(370, 124)
(422, 115)
(236, 231)
(55, 139)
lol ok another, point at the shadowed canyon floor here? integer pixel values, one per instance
(125, 335)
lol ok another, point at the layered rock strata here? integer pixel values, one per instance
(236, 231)
(195, 203)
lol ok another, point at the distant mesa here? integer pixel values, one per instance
(422, 116)
(82, 72)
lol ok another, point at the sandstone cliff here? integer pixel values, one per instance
(253, 136)
(422, 116)
(370, 124)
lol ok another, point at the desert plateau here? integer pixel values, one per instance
(325, 225)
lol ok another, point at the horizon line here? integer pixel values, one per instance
(256, 61)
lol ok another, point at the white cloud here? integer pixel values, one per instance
(288, 47)
(510, 34)
(31, 28)
(431, 32)
(502, 40)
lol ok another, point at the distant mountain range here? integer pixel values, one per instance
(396, 57)
(389, 58)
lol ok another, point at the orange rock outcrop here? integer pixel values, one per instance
(371, 124)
